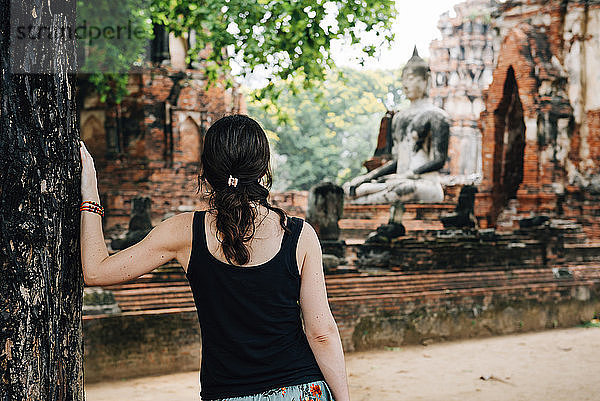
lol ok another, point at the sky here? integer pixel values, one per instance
(416, 24)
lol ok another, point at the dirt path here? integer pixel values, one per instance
(556, 365)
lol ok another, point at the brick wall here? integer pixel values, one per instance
(584, 207)
(549, 46)
(593, 124)
(150, 145)
(377, 321)
(140, 344)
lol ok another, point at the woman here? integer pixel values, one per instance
(252, 270)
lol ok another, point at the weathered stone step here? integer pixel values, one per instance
(522, 291)
(386, 288)
(155, 306)
(153, 290)
(153, 302)
(582, 252)
(363, 279)
(584, 271)
(418, 211)
(362, 228)
(369, 212)
(154, 284)
(435, 285)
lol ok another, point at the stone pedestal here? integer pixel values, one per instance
(334, 254)
(418, 218)
(464, 215)
(537, 243)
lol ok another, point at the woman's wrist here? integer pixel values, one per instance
(94, 197)
(91, 206)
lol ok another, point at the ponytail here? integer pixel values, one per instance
(237, 141)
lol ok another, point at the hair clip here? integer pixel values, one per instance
(232, 182)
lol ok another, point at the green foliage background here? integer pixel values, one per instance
(326, 132)
(107, 61)
(291, 38)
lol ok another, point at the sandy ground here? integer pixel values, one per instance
(554, 365)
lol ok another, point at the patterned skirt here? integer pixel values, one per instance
(313, 391)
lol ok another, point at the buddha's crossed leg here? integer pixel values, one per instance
(402, 190)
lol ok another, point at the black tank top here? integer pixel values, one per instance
(252, 336)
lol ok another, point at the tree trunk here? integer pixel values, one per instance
(41, 285)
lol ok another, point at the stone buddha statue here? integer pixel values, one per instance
(420, 136)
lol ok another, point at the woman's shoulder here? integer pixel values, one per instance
(308, 246)
(183, 218)
(174, 232)
(308, 239)
(181, 222)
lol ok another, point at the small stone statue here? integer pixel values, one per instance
(420, 136)
(139, 224)
(325, 209)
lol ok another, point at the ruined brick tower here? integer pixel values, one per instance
(462, 63)
(150, 144)
(541, 124)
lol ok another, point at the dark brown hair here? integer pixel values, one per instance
(237, 146)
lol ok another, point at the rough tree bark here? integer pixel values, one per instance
(41, 285)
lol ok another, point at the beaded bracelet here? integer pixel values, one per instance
(91, 206)
(91, 209)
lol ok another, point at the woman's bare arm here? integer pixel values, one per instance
(321, 330)
(164, 242)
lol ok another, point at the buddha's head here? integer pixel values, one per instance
(415, 77)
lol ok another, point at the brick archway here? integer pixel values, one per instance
(509, 127)
(189, 144)
(509, 150)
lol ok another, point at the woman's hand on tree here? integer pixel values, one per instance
(89, 183)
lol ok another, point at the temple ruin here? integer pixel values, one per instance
(520, 80)
(150, 143)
